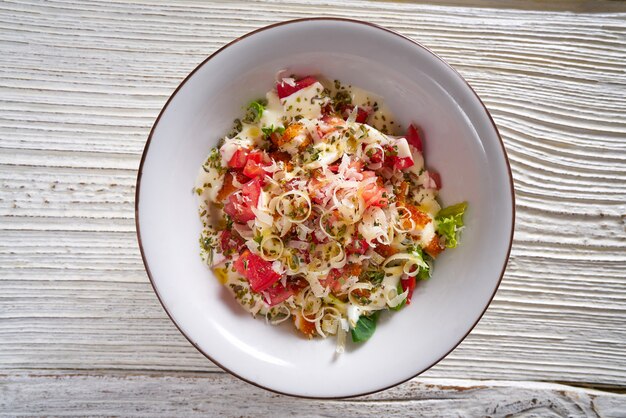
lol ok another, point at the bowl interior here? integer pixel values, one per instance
(461, 143)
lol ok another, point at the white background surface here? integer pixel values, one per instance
(82, 332)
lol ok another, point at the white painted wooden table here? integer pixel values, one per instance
(81, 331)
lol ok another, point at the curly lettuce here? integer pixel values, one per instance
(450, 222)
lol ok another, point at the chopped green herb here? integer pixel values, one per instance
(255, 111)
(214, 161)
(341, 99)
(206, 243)
(374, 276)
(237, 127)
(269, 130)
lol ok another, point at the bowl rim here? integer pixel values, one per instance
(234, 41)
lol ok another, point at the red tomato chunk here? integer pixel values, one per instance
(284, 89)
(239, 159)
(239, 205)
(413, 138)
(408, 283)
(257, 271)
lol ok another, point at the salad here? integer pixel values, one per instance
(317, 208)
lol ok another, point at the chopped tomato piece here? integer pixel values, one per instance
(394, 161)
(408, 283)
(283, 89)
(254, 163)
(278, 293)
(251, 162)
(327, 109)
(239, 211)
(332, 281)
(239, 205)
(361, 115)
(400, 163)
(256, 270)
(357, 246)
(252, 190)
(337, 277)
(230, 242)
(434, 247)
(256, 156)
(436, 178)
(239, 159)
(375, 155)
(254, 169)
(413, 137)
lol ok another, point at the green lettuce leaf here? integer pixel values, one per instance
(449, 223)
(365, 327)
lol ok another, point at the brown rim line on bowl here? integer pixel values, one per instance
(147, 146)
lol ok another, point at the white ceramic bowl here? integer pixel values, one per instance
(461, 142)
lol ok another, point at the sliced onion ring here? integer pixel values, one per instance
(267, 253)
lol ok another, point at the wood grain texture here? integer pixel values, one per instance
(195, 395)
(81, 85)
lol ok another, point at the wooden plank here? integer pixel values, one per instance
(216, 394)
(81, 84)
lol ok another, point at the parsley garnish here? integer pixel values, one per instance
(214, 160)
(374, 276)
(269, 130)
(255, 111)
(237, 127)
